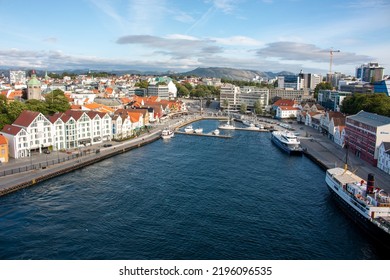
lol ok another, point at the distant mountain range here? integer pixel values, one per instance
(233, 74)
(210, 72)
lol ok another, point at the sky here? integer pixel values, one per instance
(181, 35)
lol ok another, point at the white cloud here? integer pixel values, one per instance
(226, 6)
(294, 51)
(238, 41)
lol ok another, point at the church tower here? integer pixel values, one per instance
(34, 87)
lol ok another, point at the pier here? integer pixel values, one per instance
(250, 129)
(203, 134)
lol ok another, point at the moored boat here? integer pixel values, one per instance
(287, 141)
(226, 126)
(366, 205)
(189, 129)
(216, 132)
(167, 133)
(251, 126)
(198, 130)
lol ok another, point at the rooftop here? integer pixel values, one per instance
(371, 119)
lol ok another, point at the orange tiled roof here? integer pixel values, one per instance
(284, 102)
(290, 108)
(3, 140)
(134, 116)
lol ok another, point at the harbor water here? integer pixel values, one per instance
(185, 198)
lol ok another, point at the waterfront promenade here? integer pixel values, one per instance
(328, 155)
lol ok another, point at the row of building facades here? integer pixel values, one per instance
(365, 135)
(100, 112)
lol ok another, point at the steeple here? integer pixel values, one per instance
(33, 87)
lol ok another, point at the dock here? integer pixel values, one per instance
(203, 134)
(249, 129)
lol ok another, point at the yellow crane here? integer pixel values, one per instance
(331, 51)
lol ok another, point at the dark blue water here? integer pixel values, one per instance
(185, 198)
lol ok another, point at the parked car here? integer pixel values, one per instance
(46, 152)
(107, 145)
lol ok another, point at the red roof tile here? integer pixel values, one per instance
(11, 129)
(26, 118)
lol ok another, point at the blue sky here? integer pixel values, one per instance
(181, 35)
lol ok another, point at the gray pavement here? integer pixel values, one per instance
(321, 147)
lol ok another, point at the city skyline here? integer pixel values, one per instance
(264, 35)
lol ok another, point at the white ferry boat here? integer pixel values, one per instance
(167, 133)
(287, 141)
(366, 205)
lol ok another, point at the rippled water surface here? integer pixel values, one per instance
(184, 198)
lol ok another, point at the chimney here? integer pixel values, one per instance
(370, 183)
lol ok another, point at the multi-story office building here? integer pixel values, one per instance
(229, 93)
(161, 91)
(236, 96)
(365, 132)
(298, 95)
(332, 99)
(17, 77)
(250, 95)
(382, 87)
(371, 72)
(308, 81)
(288, 82)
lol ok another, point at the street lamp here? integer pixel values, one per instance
(30, 154)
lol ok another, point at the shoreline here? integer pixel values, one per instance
(314, 150)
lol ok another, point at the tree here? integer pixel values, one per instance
(188, 86)
(182, 90)
(56, 101)
(14, 109)
(243, 108)
(37, 106)
(142, 84)
(257, 107)
(225, 103)
(321, 86)
(378, 103)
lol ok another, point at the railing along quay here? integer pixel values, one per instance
(69, 166)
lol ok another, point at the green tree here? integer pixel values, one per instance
(257, 107)
(188, 86)
(378, 103)
(56, 101)
(321, 86)
(225, 103)
(142, 84)
(243, 108)
(182, 90)
(3, 104)
(14, 109)
(37, 106)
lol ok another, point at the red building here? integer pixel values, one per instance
(364, 134)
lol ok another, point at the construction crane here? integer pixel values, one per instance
(331, 51)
